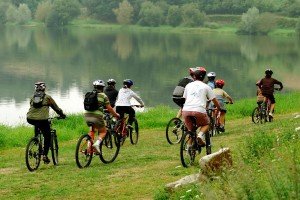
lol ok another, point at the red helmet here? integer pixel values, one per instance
(220, 83)
(201, 68)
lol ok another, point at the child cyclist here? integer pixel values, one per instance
(221, 96)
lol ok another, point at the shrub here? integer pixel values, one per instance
(266, 23)
(124, 13)
(150, 14)
(12, 14)
(298, 27)
(211, 25)
(191, 15)
(249, 21)
(24, 14)
(174, 16)
(43, 10)
(3, 8)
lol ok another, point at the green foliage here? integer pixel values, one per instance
(102, 10)
(150, 14)
(267, 22)
(124, 13)
(298, 27)
(12, 14)
(293, 8)
(286, 22)
(249, 21)
(63, 12)
(43, 10)
(24, 14)
(191, 15)
(212, 25)
(3, 8)
(174, 16)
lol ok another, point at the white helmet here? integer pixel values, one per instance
(211, 74)
(40, 86)
(98, 83)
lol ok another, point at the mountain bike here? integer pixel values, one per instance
(109, 147)
(189, 147)
(174, 130)
(124, 130)
(35, 148)
(214, 116)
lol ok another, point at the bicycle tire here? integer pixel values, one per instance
(109, 147)
(174, 131)
(33, 154)
(211, 127)
(188, 152)
(208, 144)
(54, 147)
(256, 115)
(84, 151)
(134, 132)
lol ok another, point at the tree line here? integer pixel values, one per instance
(256, 14)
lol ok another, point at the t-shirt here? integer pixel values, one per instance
(220, 94)
(196, 95)
(267, 85)
(124, 96)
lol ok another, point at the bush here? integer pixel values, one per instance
(191, 15)
(266, 23)
(298, 27)
(11, 14)
(43, 10)
(211, 25)
(174, 16)
(285, 22)
(124, 13)
(3, 8)
(249, 21)
(150, 14)
(24, 14)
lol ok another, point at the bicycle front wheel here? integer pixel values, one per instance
(109, 147)
(33, 154)
(174, 131)
(54, 147)
(84, 151)
(188, 151)
(134, 132)
(256, 115)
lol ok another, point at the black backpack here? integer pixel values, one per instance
(91, 101)
(179, 89)
(38, 99)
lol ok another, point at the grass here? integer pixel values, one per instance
(266, 161)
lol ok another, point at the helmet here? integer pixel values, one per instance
(200, 73)
(40, 86)
(211, 74)
(111, 81)
(220, 83)
(192, 70)
(269, 72)
(128, 82)
(98, 83)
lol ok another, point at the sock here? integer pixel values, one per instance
(201, 135)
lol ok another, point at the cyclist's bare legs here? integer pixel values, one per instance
(179, 113)
(222, 119)
(272, 107)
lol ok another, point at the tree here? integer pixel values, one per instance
(298, 27)
(124, 13)
(249, 21)
(174, 16)
(3, 8)
(191, 15)
(63, 12)
(43, 10)
(150, 14)
(24, 14)
(12, 13)
(266, 23)
(102, 9)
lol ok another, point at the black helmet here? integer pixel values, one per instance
(128, 82)
(111, 81)
(40, 86)
(200, 73)
(269, 72)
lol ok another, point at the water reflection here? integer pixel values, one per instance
(68, 60)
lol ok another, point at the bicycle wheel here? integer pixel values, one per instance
(255, 115)
(207, 144)
(174, 131)
(54, 147)
(188, 151)
(109, 147)
(134, 132)
(33, 154)
(84, 151)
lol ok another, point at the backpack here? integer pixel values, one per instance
(91, 101)
(179, 89)
(38, 99)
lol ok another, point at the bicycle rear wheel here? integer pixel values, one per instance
(54, 147)
(33, 154)
(207, 143)
(134, 132)
(256, 115)
(174, 131)
(84, 151)
(109, 147)
(188, 151)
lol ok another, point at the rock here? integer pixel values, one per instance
(194, 178)
(297, 129)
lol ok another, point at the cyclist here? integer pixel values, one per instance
(267, 87)
(111, 91)
(123, 104)
(196, 95)
(259, 96)
(96, 117)
(179, 89)
(221, 96)
(38, 114)
(211, 80)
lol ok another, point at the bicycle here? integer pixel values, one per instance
(35, 148)
(174, 130)
(109, 147)
(189, 147)
(124, 130)
(214, 116)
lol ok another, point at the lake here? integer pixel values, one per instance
(69, 60)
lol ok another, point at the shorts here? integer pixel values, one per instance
(179, 101)
(270, 97)
(202, 119)
(95, 119)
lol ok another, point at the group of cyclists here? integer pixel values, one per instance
(192, 95)
(115, 102)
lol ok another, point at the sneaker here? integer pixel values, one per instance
(270, 114)
(222, 129)
(201, 140)
(96, 145)
(46, 160)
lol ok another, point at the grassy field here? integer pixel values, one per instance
(266, 161)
